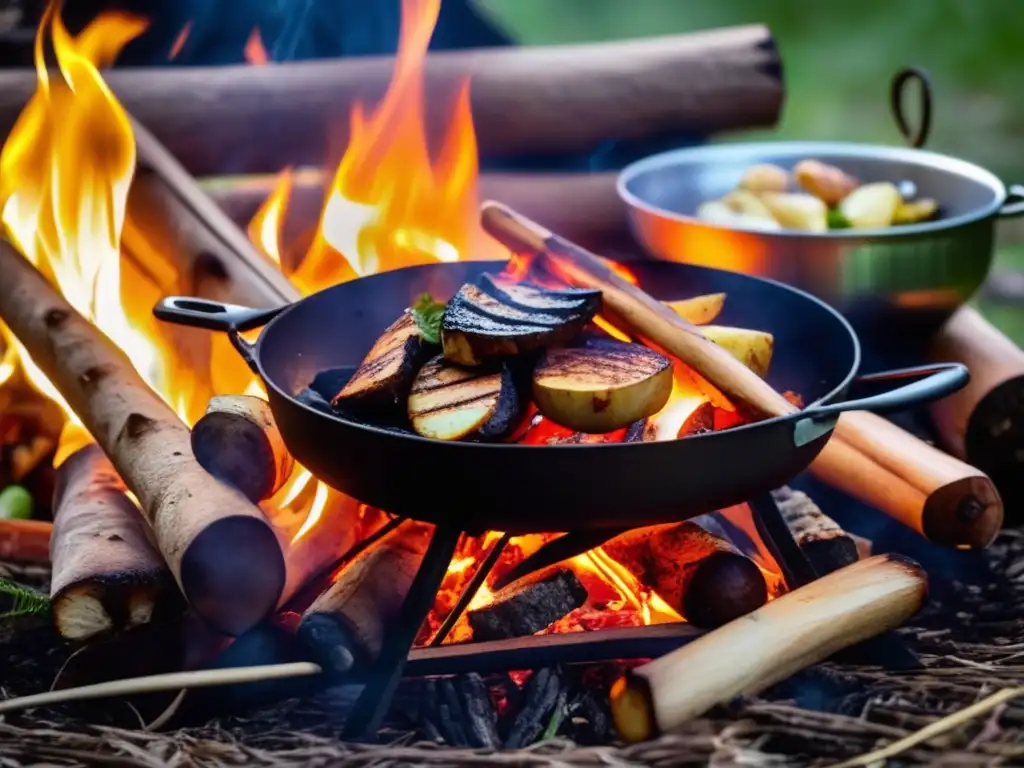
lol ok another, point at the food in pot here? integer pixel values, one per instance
(816, 197)
(535, 354)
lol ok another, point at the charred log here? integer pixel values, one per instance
(526, 608)
(827, 546)
(541, 696)
(107, 576)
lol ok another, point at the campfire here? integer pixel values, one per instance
(178, 503)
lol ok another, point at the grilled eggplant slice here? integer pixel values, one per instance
(601, 386)
(382, 381)
(493, 319)
(752, 348)
(451, 402)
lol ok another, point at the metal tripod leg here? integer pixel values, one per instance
(796, 568)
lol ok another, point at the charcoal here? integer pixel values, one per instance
(541, 697)
(314, 400)
(589, 719)
(449, 711)
(524, 609)
(480, 717)
(330, 382)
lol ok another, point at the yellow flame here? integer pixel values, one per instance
(265, 227)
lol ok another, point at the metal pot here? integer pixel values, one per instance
(908, 277)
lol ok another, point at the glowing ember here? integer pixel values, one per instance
(255, 52)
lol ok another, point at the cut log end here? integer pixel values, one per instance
(994, 441)
(633, 709)
(233, 572)
(329, 642)
(966, 513)
(86, 609)
(724, 587)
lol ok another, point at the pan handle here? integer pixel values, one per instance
(212, 315)
(918, 137)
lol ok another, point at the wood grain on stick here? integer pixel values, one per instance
(936, 495)
(525, 100)
(751, 653)
(107, 575)
(220, 549)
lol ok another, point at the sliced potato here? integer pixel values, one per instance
(745, 202)
(699, 310)
(381, 382)
(795, 210)
(913, 211)
(765, 177)
(449, 402)
(601, 387)
(826, 182)
(719, 212)
(487, 321)
(752, 348)
(871, 206)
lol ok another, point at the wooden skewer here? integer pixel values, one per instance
(751, 653)
(936, 495)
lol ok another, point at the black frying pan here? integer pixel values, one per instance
(519, 488)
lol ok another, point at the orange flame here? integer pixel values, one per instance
(265, 227)
(254, 51)
(179, 41)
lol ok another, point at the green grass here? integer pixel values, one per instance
(839, 58)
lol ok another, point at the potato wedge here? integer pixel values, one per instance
(765, 177)
(913, 211)
(795, 210)
(382, 381)
(699, 310)
(752, 348)
(826, 182)
(871, 206)
(490, 320)
(602, 386)
(449, 402)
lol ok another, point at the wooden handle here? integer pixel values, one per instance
(525, 99)
(642, 313)
(748, 655)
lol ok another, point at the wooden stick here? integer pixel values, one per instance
(946, 500)
(223, 554)
(700, 575)
(237, 441)
(345, 626)
(827, 546)
(582, 206)
(107, 575)
(26, 541)
(788, 634)
(984, 422)
(525, 100)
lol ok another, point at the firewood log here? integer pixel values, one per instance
(827, 546)
(223, 554)
(525, 608)
(345, 626)
(524, 100)
(938, 496)
(788, 634)
(700, 575)
(25, 541)
(107, 575)
(237, 441)
(983, 423)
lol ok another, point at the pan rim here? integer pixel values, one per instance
(828, 397)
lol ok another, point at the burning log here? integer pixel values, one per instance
(700, 575)
(701, 420)
(238, 442)
(583, 206)
(526, 608)
(223, 554)
(788, 634)
(827, 546)
(25, 540)
(345, 626)
(601, 387)
(524, 100)
(982, 423)
(938, 496)
(107, 576)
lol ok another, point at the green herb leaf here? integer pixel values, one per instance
(427, 312)
(836, 220)
(27, 602)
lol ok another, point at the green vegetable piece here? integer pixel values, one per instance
(428, 312)
(836, 220)
(15, 503)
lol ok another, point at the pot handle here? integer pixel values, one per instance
(216, 316)
(1014, 204)
(940, 380)
(900, 81)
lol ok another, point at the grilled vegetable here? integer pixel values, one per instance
(765, 178)
(719, 212)
(871, 206)
(752, 348)
(747, 203)
(826, 182)
(915, 210)
(450, 402)
(797, 210)
(602, 386)
(700, 309)
(381, 382)
(493, 319)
